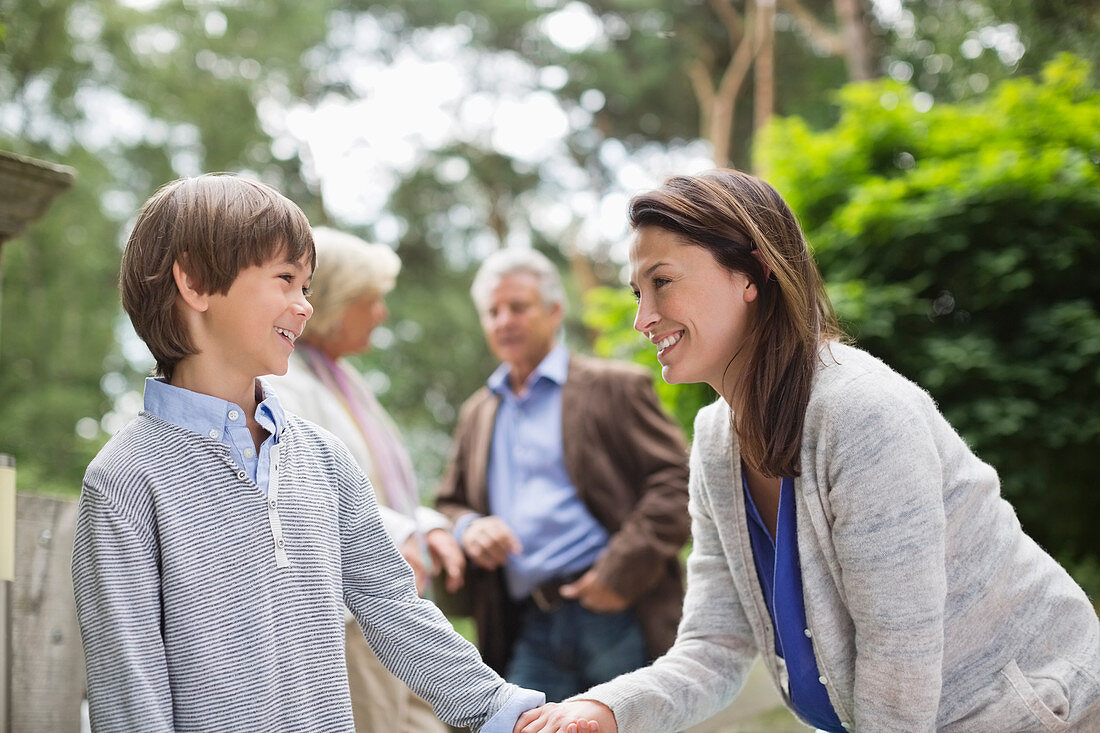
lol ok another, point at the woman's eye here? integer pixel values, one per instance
(637, 295)
(660, 282)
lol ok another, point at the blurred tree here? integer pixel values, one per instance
(130, 98)
(961, 246)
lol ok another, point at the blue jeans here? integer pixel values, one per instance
(568, 650)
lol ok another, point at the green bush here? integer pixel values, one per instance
(961, 246)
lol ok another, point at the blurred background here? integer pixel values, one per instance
(944, 158)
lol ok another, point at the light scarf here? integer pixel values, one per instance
(392, 474)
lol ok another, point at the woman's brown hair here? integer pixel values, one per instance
(214, 226)
(748, 228)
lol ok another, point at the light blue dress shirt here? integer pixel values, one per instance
(222, 421)
(529, 487)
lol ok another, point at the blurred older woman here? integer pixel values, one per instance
(349, 288)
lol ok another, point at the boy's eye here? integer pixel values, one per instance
(307, 291)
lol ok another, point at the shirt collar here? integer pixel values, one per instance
(553, 367)
(207, 415)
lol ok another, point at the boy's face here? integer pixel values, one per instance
(250, 331)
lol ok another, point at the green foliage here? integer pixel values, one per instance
(609, 313)
(130, 99)
(960, 245)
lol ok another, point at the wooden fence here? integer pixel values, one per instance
(46, 663)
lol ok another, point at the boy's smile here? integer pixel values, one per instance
(248, 331)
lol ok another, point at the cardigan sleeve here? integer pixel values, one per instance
(116, 582)
(707, 666)
(888, 532)
(410, 636)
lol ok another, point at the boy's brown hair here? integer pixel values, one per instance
(215, 226)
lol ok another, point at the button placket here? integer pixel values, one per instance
(282, 560)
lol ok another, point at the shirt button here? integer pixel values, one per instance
(233, 414)
(248, 452)
(807, 633)
(242, 475)
(279, 543)
(213, 434)
(272, 503)
(822, 679)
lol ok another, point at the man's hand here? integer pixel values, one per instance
(488, 542)
(590, 592)
(410, 550)
(578, 716)
(447, 557)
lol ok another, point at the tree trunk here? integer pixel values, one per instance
(764, 81)
(857, 40)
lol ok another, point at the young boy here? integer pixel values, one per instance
(218, 538)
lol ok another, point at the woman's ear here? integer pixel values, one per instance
(189, 293)
(760, 259)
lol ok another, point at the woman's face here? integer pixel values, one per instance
(696, 312)
(361, 317)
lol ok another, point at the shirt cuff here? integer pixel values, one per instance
(462, 523)
(428, 519)
(520, 701)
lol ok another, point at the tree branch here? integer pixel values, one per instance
(735, 26)
(818, 32)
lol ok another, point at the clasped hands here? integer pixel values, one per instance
(488, 542)
(575, 716)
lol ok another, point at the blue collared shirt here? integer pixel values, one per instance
(780, 575)
(223, 421)
(529, 487)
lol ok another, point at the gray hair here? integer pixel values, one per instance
(514, 260)
(347, 269)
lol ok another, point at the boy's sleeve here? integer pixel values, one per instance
(410, 636)
(117, 586)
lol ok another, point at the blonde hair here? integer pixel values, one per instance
(347, 269)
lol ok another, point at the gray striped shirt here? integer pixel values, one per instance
(205, 605)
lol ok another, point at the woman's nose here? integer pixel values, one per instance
(645, 318)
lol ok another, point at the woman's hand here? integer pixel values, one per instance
(576, 716)
(447, 557)
(410, 550)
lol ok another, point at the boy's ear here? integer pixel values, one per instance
(190, 294)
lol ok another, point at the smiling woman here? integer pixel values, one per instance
(842, 529)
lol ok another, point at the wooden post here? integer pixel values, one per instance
(47, 663)
(7, 575)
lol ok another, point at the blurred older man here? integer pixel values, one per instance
(567, 487)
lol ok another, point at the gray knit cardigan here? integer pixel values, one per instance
(205, 605)
(927, 605)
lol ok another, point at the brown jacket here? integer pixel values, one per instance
(628, 462)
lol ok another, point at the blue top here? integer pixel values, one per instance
(780, 576)
(222, 421)
(529, 487)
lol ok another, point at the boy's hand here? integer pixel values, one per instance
(447, 557)
(577, 716)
